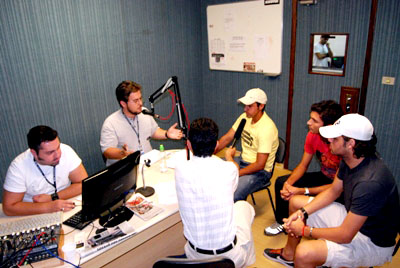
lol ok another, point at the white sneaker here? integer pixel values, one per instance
(274, 229)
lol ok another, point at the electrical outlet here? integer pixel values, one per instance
(387, 80)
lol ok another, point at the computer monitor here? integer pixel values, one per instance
(105, 192)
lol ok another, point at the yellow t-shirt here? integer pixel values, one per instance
(261, 137)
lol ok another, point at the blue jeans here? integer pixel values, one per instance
(249, 183)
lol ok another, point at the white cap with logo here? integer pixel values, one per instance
(353, 126)
(254, 95)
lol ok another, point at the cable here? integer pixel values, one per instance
(29, 251)
(55, 256)
(17, 252)
(173, 106)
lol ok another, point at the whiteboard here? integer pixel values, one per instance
(246, 36)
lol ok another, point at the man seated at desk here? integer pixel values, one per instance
(41, 179)
(128, 129)
(212, 223)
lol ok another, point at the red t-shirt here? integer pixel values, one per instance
(329, 162)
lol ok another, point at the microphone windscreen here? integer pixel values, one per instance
(147, 112)
(240, 128)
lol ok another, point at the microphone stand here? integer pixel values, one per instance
(145, 191)
(173, 82)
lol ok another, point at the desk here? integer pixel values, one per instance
(156, 238)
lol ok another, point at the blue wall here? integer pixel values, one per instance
(340, 16)
(60, 61)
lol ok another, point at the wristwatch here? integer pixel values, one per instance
(305, 214)
(54, 196)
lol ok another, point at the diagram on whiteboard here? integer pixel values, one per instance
(218, 52)
(246, 36)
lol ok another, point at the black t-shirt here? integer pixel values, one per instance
(370, 190)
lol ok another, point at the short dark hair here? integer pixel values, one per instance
(258, 105)
(364, 148)
(328, 110)
(125, 88)
(203, 136)
(39, 134)
(326, 36)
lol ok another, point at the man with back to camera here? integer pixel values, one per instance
(361, 232)
(212, 223)
(322, 52)
(259, 144)
(41, 179)
(128, 130)
(309, 183)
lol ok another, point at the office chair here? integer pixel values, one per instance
(279, 158)
(213, 262)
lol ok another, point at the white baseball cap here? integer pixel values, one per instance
(254, 95)
(353, 126)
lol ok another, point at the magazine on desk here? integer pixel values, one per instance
(143, 208)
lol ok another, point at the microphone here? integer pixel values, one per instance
(238, 132)
(146, 111)
(145, 190)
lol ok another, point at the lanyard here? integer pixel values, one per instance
(134, 129)
(44, 176)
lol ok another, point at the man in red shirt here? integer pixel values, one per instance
(309, 183)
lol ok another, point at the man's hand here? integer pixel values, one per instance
(230, 153)
(125, 151)
(62, 205)
(41, 198)
(294, 217)
(174, 133)
(288, 191)
(294, 225)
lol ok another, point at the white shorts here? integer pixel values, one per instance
(361, 251)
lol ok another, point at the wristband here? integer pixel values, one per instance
(307, 191)
(311, 231)
(305, 214)
(54, 196)
(302, 232)
(166, 134)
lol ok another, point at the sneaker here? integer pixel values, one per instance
(274, 229)
(276, 255)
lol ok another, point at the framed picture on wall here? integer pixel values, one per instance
(328, 53)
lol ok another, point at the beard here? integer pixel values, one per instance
(133, 112)
(42, 161)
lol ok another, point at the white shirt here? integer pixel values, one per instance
(322, 49)
(23, 176)
(117, 131)
(205, 187)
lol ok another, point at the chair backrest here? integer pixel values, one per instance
(215, 262)
(280, 153)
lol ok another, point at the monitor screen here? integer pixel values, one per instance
(104, 192)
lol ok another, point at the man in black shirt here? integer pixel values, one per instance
(361, 232)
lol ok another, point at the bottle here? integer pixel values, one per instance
(163, 164)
